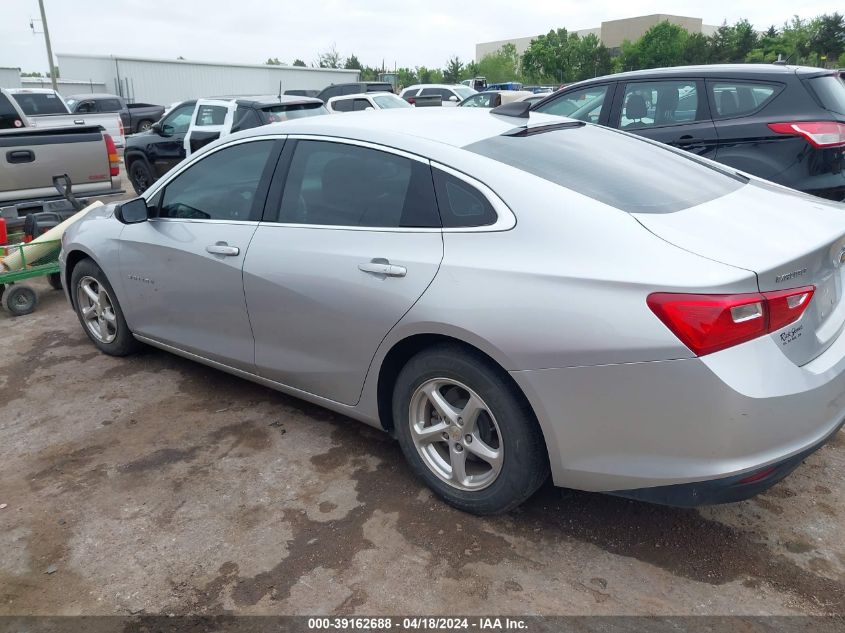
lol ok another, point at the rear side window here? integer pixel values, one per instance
(9, 118)
(109, 105)
(361, 104)
(286, 112)
(733, 98)
(630, 174)
(461, 205)
(830, 90)
(211, 115)
(221, 186)
(658, 103)
(347, 185)
(342, 105)
(35, 103)
(245, 118)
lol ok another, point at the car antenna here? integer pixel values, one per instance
(517, 109)
(280, 90)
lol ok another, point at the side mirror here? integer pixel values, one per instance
(133, 212)
(453, 98)
(156, 128)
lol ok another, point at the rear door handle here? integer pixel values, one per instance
(20, 156)
(689, 140)
(222, 248)
(383, 268)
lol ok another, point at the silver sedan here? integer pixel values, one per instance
(510, 297)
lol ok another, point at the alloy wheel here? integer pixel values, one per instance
(97, 309)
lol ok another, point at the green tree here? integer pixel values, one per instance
(299, 62)
(697, 49)
(36, 74)
(352, 63)
(452, 72)
(828, 36)
(273, 61)
(329, 58)
(503, 65)
(743, 39)
(548, 57)
(406, 77)
(662, 45)
(470, 71)
(589, 57)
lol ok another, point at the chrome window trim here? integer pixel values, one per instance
(203, 221)
(505, 219)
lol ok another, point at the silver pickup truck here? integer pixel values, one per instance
(30, 158)
(45, 108)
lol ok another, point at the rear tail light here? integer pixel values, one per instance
(817, 133)
(709, 323)
(121, 128)
(114, 159)
(411, 100)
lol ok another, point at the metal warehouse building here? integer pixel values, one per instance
(165, 81)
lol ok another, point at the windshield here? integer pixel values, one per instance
(391, 101)
(831, 91)
(288, 111)
(464, 92)
(36, 103)
(628, 173)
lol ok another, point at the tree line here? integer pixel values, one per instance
(561, 56)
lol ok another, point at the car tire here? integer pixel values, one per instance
(144, 125)
(486, 455)
(20, 300)
(99, 312)
(55, 281)
(140, 176)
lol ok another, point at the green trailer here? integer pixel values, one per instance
(36, 259)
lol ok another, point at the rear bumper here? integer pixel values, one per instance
(725, 490)
(708, 422)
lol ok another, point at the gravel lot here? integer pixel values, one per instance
(156, 485)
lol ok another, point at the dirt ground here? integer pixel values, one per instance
(155, 485)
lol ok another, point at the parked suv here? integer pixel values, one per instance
(782, 123)
(450, 94)
(191, 125)
(338, 90)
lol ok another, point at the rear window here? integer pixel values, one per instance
(110, 105)
(830, 90)
(9, 119)
(34, 104)
(732, 98)
(630, 174)
(286, 112)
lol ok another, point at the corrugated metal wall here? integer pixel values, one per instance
(67, 87)
(165, 81)
(10, 77)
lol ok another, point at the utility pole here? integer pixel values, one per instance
(49, 46)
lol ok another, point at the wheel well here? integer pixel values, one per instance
(402, 352)
(73, 258)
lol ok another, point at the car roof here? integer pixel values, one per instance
(38, 91)
(93, 95)
(265, 100)
(405, 128)
(436, 86)
(362, 95)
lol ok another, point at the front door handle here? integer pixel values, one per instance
(688, 139)
(383, 268)
(222, 248)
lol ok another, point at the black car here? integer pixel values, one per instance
(338, 90)
(136, 117)
(782, 123)
(151, 154)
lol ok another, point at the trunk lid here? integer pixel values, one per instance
(788, 239)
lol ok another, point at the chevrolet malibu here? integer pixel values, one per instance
(510, 297)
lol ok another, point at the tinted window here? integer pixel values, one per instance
(211, 115)
(221, 186)
(347, 185)
(657, 103)
(177, 122)
(831, 92)
(342, 105)
(390, 101)
(361, 104)
(731, 98)
(463, 92)
(109, 105)
(40, 103)
(584, 104)
(285, 112)
(84, 106)
(9, 118)
(627, 173)
(441, 92)
(245, 118)
(481, 100)
(461, 204)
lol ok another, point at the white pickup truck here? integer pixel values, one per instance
(45, 108)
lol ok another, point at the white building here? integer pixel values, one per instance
(164, 81)
(10, 77)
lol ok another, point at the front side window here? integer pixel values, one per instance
(584, 104)
(85, 106)
(481, 100)
(361, 104)
(221, 186)
(658, 103)
(734, 98)
(178, 121)
(386, 102)
(347, 185)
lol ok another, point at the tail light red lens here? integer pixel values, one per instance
(114, 159)
(709, 323)
(819, 134)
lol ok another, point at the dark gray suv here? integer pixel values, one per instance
(782, 123)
